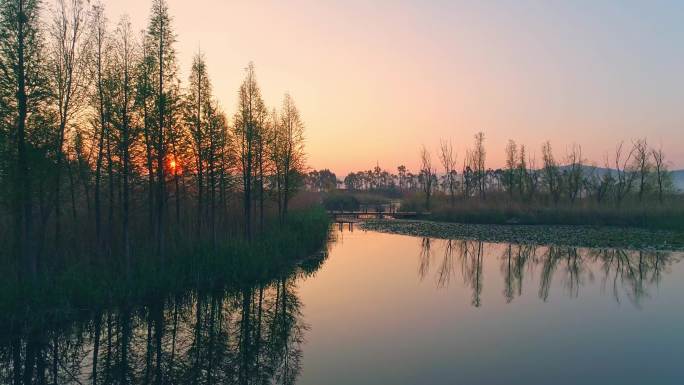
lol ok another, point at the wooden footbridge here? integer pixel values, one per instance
(358, 216)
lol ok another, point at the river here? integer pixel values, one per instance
(391, 309)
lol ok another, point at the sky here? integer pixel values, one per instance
(376, 80)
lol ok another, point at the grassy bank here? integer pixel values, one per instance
(559, 235)
(233, 263)
(652, 215)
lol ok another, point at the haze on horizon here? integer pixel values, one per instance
(376, 80)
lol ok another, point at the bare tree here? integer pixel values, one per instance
(661, 172)
(642, 164)
(125, 62)
(479, 156)
(511, 165)
(574, 172)
(599, 183)
(533, 176)
(67, 61)
(448, 160)
(427, 173)
(551, 172)
(625, 176)
(522, 171)
(99, 33)
(467, 174)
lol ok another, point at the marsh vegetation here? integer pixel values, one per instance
(118, 179)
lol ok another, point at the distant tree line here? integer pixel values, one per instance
(103, 149)
(636, 172)
(321, 180)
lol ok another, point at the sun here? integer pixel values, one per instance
(174, 166)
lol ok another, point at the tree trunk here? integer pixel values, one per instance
(24, 204)
(161, 179)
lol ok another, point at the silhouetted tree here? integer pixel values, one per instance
(448, 160)
(427, 173)
(289, 149)
(246, 133)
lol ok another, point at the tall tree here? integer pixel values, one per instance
(67, 62)
(574, 172)
(479, 156)
(100, 47)
(551, 172)
(663, 176)
(292, 157)
(126, 57)
(511, 165)
(144, 97)
(624, 174)
(217, 127)
(642, 164)
(22, 88)
(448, 160)
(161, 39)
(261, 156)
(427, 173)
(199, 101)
(522, 171)
(246, 132)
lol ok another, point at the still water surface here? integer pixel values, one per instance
(392, 309)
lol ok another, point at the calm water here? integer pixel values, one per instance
(392, 309)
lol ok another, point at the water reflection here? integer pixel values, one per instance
(623, 273)
(252, 336)
(255, 334)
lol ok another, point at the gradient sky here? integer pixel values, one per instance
(376, 79)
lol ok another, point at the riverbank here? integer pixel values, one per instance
(579, 236)
(234, 263)
(496, 209)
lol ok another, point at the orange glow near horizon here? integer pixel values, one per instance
(376, 80)
(174, 166)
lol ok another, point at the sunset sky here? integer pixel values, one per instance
(376, 79)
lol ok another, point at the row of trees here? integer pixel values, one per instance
(321, 180)
(99, 135)
(638, 172)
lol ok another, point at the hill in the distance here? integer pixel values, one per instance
(677, 175)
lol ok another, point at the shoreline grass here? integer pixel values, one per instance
(498, 210)
(59, 295)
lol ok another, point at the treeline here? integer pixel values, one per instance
(321, 180)
(104, 152)
(636, 172)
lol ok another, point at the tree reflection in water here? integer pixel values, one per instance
(252, 336)
(625, 273)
